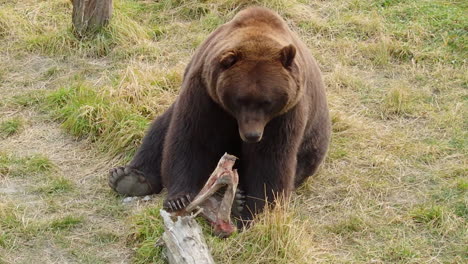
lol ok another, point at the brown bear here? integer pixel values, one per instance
(252, 89)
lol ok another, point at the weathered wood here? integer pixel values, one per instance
(184, 241)
(90, 15)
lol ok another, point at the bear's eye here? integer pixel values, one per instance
(228, 59)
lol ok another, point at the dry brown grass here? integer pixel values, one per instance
(392, 190)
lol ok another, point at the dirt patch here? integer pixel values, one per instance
(100, 231)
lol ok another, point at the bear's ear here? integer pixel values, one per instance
(287, 55)
(228, 59)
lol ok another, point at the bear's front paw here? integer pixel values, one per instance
(177, 203)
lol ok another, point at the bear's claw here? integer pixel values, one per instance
(239, 202)
(178, 203)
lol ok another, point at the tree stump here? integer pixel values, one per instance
(89, 16)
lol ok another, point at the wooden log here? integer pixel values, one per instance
(89, 16)
(184, 241)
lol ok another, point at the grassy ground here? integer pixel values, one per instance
(392, 190)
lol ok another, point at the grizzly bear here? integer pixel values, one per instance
(252, 89)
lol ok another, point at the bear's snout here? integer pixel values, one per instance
(251, 125)
(252, 134)
(252, 137)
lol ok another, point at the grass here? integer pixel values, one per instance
(65, 223)
(392, 189)
(41, 205)
(55, 185)
(15, 228)
(13, 166)
(278, 236)
(432, 215)
(86, 113)
(283, 237)
(10, 127)
(148, 227)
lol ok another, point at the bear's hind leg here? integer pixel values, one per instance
(129, 181)
(143, 175)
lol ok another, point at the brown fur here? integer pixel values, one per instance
(251, 80)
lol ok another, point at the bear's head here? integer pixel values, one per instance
(255, 82)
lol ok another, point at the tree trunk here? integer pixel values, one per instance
(90, 15)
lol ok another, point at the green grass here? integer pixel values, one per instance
(11, 127)
(347, 226)
(431, 215)
(392, 189)
(87, 114)
(25, 100)
(148, 230)
(15, 227)
(65, 223)
(55, 185)
(106, 237)
(13, 166)
(400, 252)
(440, 24)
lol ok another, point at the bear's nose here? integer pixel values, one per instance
(253, 137)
